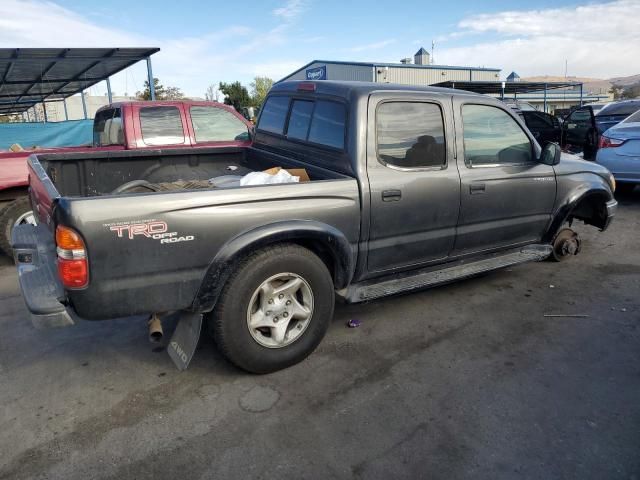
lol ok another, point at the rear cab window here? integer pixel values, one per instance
(107, 128)
(315, 121)
(213, 124)
(161, 125)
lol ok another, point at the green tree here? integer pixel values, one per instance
(235, 95)
(146, 93)
(259, 89)
(173, 93)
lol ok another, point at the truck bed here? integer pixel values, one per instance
(97, 174)
(134, 269)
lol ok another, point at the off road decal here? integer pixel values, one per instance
(154, 229)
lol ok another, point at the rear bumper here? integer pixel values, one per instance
(34, 254)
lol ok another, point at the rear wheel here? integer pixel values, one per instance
(274, 310)
(17, 212)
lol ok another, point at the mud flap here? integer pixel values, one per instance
(184, 341)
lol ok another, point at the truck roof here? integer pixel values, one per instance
(349, 88)
(148, 103)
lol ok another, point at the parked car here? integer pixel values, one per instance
(125, 126)
(582, 129)
(408, 188)
(544, 126)
(619, 151)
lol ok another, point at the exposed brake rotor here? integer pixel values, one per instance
(566, 244)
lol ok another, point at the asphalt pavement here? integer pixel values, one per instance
(470, 380)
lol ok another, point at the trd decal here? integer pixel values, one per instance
(155, 229)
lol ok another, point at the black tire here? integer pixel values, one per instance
(8, 217)
(228, 321)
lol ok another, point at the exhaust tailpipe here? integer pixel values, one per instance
(155, 329)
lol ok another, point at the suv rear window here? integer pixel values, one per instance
(161, 125)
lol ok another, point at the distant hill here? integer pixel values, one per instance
(591, 85)
(625, 81)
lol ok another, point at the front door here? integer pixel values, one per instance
(576, 129)
(507, 196)
(413, 178)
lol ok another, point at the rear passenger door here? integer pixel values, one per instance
(507, 195)
(413, 178)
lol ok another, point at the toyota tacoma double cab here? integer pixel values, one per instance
(124, 126)
(408, 188)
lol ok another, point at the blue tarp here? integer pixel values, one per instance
(53, 134)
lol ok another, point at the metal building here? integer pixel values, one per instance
(421, 72)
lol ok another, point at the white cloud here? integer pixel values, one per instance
(191, 63)
(597, 40)
(372, 46)
(290, 10)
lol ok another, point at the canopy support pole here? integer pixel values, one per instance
(66, 112)
(84, 105)
(152, 88)
(109, 95)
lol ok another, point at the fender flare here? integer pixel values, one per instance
(295, 231)
(563, 212)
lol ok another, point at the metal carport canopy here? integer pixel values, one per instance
(509, 87)
(29, 76)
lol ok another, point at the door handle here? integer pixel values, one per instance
(391, 195)
(476, 188)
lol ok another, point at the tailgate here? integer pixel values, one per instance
(42, 191)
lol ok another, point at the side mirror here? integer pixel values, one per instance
(550, 154)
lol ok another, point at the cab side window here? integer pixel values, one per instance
(107, 128)
(410, 135)
(493, 137)
(161, 125)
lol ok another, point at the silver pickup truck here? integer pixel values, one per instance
(408, 188)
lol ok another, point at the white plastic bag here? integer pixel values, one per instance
(263, 178)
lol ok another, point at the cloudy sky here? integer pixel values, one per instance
(208, 42)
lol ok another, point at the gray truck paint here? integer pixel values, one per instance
(339, 214)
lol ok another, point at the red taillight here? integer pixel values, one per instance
(608, 142)
(307, 87)
(73, 273)
(73, 268)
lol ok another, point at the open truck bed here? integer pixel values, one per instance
(154, 252)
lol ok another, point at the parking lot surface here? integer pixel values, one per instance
(469, 380)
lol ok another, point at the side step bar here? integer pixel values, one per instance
(426, 278)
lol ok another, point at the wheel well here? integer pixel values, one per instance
(323, 252)
(217, 274)
(591, 209)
